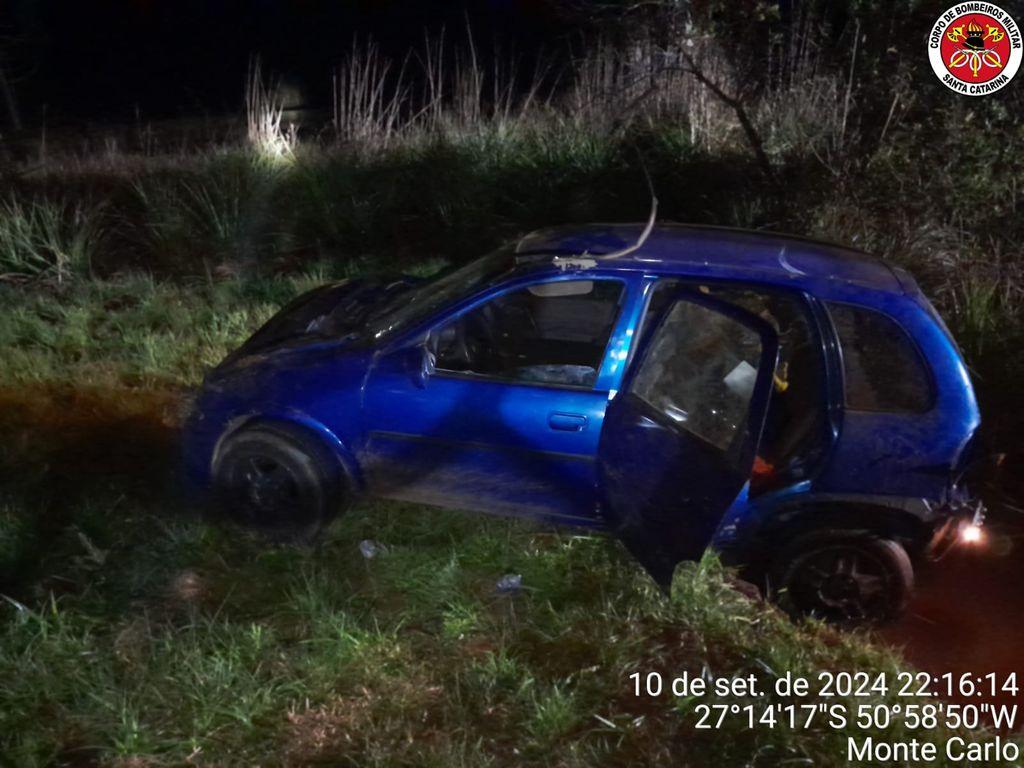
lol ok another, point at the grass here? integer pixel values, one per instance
(47, 238)
(136, 632)
(151, 638)
(132, 330)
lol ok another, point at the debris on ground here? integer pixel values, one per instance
(370, 548)
(509, 584)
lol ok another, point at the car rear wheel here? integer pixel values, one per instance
(278, 481)
(847, 578)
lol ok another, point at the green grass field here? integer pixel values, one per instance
(136, 632)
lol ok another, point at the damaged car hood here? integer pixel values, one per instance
(335, 312)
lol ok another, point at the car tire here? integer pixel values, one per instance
(279, 481)
(844, 577)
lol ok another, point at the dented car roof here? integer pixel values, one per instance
(717, 251)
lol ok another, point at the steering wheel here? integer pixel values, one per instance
(451, 347)
(471, 342)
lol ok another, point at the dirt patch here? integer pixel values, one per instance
(62, 446)
(402, 715)
(328, 729)
(67, 439)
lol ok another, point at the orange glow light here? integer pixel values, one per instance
(971, 534)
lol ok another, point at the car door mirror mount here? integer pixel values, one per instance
(422, 362)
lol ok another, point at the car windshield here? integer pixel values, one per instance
(410, 306)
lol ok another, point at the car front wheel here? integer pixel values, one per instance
(847, 578)
(278, 481)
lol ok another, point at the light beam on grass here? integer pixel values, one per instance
(264, 109)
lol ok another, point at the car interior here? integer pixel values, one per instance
(794, 432)
(793, 436)
(556, 333)
(550, 333)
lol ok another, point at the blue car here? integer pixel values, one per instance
(799, 406)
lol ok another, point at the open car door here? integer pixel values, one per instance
(679, 440)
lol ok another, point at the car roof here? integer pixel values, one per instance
(714, 252)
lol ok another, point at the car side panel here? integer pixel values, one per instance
(482, 445)
(907, 454)
(471, 442)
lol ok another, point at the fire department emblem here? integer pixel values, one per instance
(975, 48)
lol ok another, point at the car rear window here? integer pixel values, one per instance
(882, 367)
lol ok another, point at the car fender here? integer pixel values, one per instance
(295, 419)
(770, 521)
(915, 507)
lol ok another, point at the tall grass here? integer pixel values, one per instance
(47, 239)
(433, 93)
(609, 88)
(369, 98)
(221, 216)
(264, 110)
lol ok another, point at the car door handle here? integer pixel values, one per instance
(567, 422)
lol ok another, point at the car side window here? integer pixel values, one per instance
(548, 333)
(882, 368)
(699, 371)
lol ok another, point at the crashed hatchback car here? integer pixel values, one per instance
(799, 406)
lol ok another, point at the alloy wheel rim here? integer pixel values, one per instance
(268, 486)
(845, 583)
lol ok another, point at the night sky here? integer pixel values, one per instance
(103, 59)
